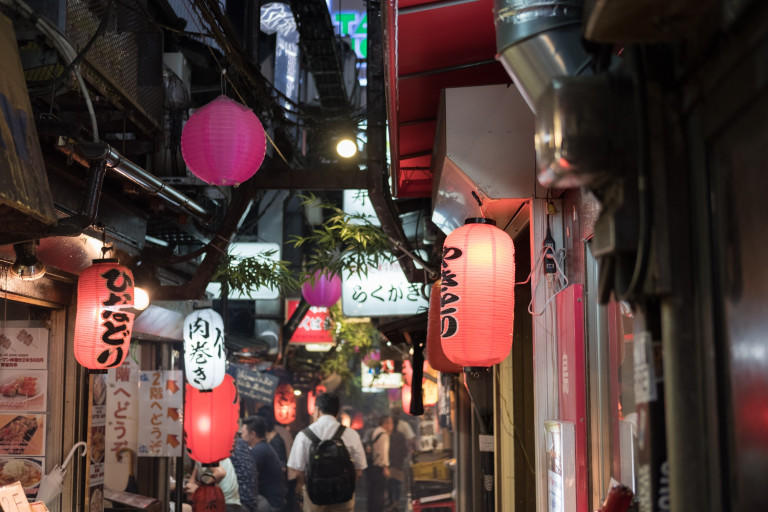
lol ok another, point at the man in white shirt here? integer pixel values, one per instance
(378, 473)
(325, 427)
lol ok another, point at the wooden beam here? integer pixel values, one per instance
(327, 177)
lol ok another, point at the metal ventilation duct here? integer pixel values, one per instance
(538, 40)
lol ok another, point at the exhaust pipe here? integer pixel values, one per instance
(538, 40)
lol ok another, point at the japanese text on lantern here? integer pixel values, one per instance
(116, 325)
(206, 343)
(160, 414)
(449, 323)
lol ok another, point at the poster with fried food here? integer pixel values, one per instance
(23, 390)
(26, 470)
(22, 434)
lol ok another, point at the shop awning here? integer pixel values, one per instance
(431, 45)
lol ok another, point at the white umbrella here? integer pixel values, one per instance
(51, 485)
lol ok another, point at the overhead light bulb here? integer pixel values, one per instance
(346, 148)
(297, 392)
(140, 298)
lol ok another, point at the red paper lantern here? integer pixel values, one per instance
(358, 421)
(210, 421)
(223, 142)
(285, 404)
(477, 294)
(325, 291)
(406, 398)
(435, 354)
(103, 327)
(312, 397)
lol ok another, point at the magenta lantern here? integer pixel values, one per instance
(223, 143)
(325, 292)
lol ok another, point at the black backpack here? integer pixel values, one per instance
(330, 473)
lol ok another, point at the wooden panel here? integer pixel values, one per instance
(43, 292)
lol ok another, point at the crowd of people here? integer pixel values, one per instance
(319, 470)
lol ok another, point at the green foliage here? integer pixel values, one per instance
(345, 242)
(354, 340)
(245, 275)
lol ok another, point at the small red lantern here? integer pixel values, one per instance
(223, 142)
(406, 398)
(285, 404)
(312, 397)
(477, 294)
(435, 354)
(323, 290)
(103, 327)
(210, 421)
(357, 421)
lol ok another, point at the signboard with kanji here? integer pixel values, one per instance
(24, 348)
(315, 327)
(122, 422)
(385, 291)
(161, 408)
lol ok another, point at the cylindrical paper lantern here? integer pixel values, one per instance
(312, 398)
(103, 327)
(405, 396)
(430, 385)
(223, 142)
(357, 421)
(210, 421)
(435, 354)
(477, 294)
(325, 292)
(285, 404)
(204, 355)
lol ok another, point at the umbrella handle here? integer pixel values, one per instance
(72, 452)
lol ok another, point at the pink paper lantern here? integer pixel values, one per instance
(223, 142)
(325, 292)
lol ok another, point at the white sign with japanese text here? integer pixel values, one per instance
(24, 348)
(161, 410)
(384, 292)
(122, 422)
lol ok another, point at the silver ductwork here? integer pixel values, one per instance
(538, 40)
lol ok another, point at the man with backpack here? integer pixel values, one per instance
(326, 459)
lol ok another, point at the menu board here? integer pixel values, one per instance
(254, 384)
(23, 404)
(97, 418)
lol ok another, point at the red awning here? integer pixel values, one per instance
(431, 46)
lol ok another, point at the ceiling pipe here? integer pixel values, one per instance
(538, 40)
(139, 176)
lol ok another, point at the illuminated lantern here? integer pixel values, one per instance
(325, 292)
(223, 142)
(357, 421)
(429, 386)
(285, 404)
(210, 421)
(406, 398)
(103, 326)
(204, 356)
(435, 354)
(477, 301)
(312, 397)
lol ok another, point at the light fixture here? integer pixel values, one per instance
(27, 267)
(346, 148)
(297, 392)
(140, 298)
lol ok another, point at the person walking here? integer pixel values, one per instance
(244, 463)
(378, 472)
(271, 478)
(338, 460)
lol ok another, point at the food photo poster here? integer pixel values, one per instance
(23, 404)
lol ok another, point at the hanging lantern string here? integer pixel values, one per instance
(480, 204)
(104, 247)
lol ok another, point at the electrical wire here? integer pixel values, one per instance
(562, 281)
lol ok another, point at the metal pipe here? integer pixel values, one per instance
(447, 69)
(138, 175)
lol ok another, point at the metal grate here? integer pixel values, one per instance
(114, 58)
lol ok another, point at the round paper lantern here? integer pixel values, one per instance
(435, 354)
(223, 142)
(103, 326)
(285, 404)
(325, 292)
(477, 294)
(204, 355)
(405, 396)
(312, 398)
(210, 421)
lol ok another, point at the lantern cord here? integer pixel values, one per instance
(480, 204)
(562, 280)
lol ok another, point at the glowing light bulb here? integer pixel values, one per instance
(140, 298)
(346, 148)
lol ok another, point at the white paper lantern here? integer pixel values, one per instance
(204, 354)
